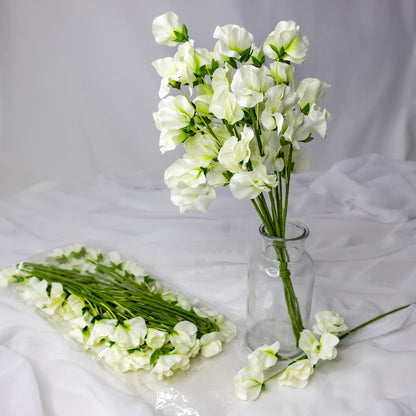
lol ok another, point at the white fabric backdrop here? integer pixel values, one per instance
(77, 88)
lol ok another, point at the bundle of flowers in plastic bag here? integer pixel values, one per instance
(117, 311)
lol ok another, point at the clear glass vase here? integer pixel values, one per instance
(280, 290)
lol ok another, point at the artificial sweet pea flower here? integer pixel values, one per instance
(311, 91)
(286, 43)
(101, 330)
(324, 349)
(140, 360)
(184, 171)
(155, 338)
(189, 198)
(280, 72)
(174, 113)
(297, 374)
(297, 127)
(265, 356)
(183, 336)
(328, 321)
(249, 382)
(36, 293)
(250, 184)
(319, 119)
(168, 30)
(280, 98)
(117, 357)
(234, 154)
(169, 139)
(202, 148)
(130, 333)
(233, 40)
(249, 85)
(211, 344)
(166, 364)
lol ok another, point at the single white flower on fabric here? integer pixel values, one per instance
(300, 159)
(235, 154)
(265, 356)
(165, 364)
(328, 342)
(311, 91)
(174, 113)
(102, 329)
(297, 374)
(155, 338)
(309, 345)
(164, 28)
(130, 333)
(250, 184)
(280, 72)
(249, 382)
(249, 85)
(328, 321)
(183, 336)
(280, 98)
(202, 148)
(287, 41)
(211, 344)
(324, 349)
(320, 119)
(233, 40)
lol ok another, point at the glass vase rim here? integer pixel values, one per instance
(304, 233)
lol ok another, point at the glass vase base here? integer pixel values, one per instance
(267, 332)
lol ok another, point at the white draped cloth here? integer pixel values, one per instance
(362, 218)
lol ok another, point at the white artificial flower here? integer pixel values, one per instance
(311, 91)
(280, 71)
(155, 338)
(202, 103)
(319, 119)
(117, 357)
(183, 336)
(184, 171)
(248, 382)
(298, 127)
(174, 113)
(250, 184)
(324, 349)
(184, 302)
(35, 292)
(233, 40)
(71, 308)
(140, 360)
(215, 176)
(130, 333)
(224, 105)
(264, 357)
(192, 198)
(102, 329)
(111, 258)
(56, 298)
(235, 154)
(169, 139)
(134, 269)
(249, 85)
(166, 364)
(164, 27)
(297, 374)
(280, 98)
(328, 321)
(202, 148)
(286, 38)
(256, 54)
(211, 344)
(271, 149)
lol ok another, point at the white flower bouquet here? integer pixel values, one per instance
(118, 312)
(242, 121)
